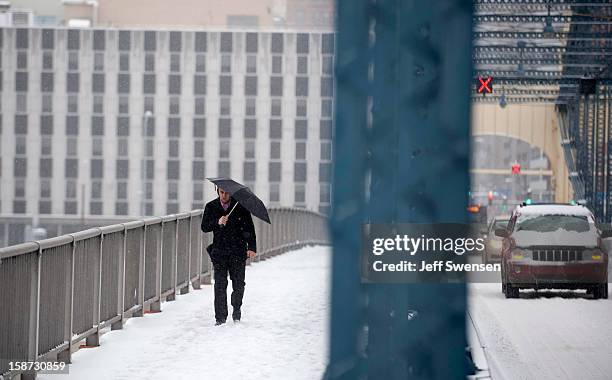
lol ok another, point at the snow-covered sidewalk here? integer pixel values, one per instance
(282, 335)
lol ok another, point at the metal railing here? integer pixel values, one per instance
(57, 292)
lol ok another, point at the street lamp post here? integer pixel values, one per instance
(147, 115)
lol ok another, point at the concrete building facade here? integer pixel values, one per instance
(115, 123)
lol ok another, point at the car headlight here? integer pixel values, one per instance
(518, 254)
(593, 254)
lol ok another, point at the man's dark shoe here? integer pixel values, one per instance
(236, 315)
(220, 322)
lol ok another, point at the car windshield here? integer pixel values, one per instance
(552, 223)
(500, 224)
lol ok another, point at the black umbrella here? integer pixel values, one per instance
(244, 196)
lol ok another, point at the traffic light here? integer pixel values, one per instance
(516, 168)
(490, 197)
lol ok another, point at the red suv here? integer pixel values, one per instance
(553, 246)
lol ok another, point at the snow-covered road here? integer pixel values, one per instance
(556, 335)
(283, 333)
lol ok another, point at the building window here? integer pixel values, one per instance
(122, 190)
(224, 149)
(300, 193)
(302, 64)
(327, 43)
(325, 171)
(225, 106)
(47, 60)
(149, 104)
(200, 63)
(96, 190)
(274, 172)
(123, 83)
(198, 192)
(174, 127)
(22, 60)
(198, 148)
(150, 169)
(72, 82)
(200, 42)
(299, 172)
(226, 42)
(276, 45)
(148, 84)
(73, 60)
(301, 129)
(225, 85)
(199, 85)
(200, 106)
(72, 125)
(326, 108)
(326, 150)
(123, 169)
(277, 64)
(275, 108)
(174, 84)
(224, 169)
(149, 62)
(121, 208)
(327, 87)
(174, 105)
(276, 86)
(325, 130)
(249, 149)
(98, 62)
(71, 168)
(249, 171)
(300, 150)
(198, 171)
(250, 128)
(47, 103)
(173, 148)
(173, 169)
(301, 108)
(173, 190)
(21, 167)
(250, 85)
(124, 62)
(97, 145)
(324, 193)
(150, 41)
(275, 151)
(124, 40)
(71, 147)
(124, 105)
(98, 104)
(251, 64)
(19, 188)
(48, 39)
(20, 145)
(175, 63)
(225, 128)
(21, 81)
(276, 129)
(73, 104)
(199, 127)
(122, 147)
(302, 43)
(327, 65)
(45, 146)
(274, 192)
(176, 41)
(45, 188)
(250, 106)
(301, 86)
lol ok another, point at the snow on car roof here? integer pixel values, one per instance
(554, 210)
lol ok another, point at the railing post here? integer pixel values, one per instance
(141, 275)
(66, 355)
(34, 315)
(121, 284)
(156, 305)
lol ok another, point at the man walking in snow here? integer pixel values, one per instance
(234, 241)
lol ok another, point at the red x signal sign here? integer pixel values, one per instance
(485, 85)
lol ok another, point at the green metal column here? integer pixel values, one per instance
(401, 148)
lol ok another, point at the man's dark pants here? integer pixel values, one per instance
(225, 264)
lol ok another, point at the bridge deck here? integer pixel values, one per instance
(283, 332)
